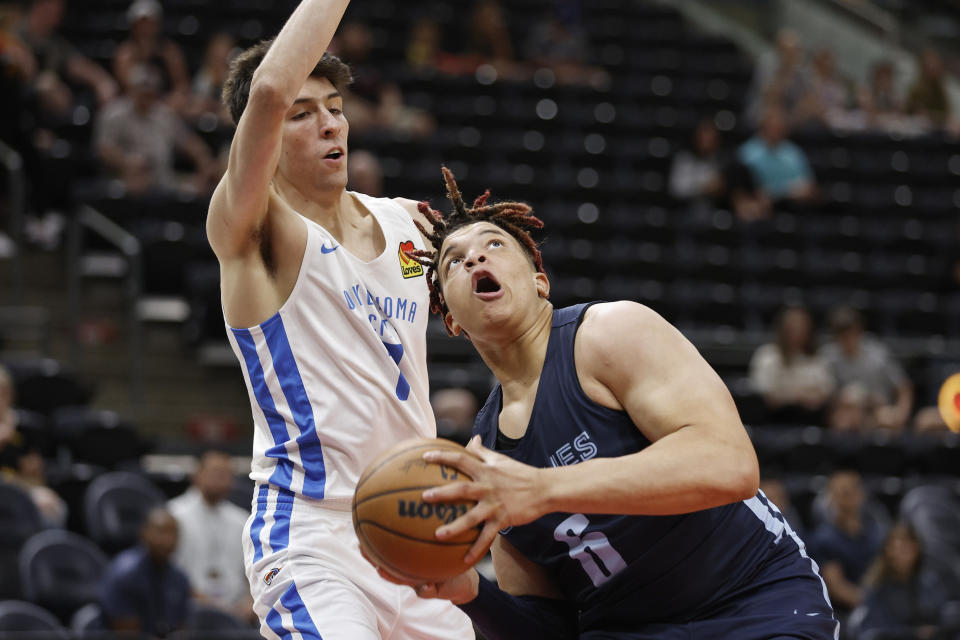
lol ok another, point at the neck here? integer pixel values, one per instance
(327, 207)
(516, 358)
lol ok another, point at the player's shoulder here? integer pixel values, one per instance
(609, 320)
(611, 331)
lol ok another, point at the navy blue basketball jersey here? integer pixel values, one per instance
(622, 571)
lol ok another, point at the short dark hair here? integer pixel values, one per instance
(236, 89)
(516, 218)
(845, 318)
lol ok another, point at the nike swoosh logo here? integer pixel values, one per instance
(323, 249)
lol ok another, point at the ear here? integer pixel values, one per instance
(543, 284)
(453, 328)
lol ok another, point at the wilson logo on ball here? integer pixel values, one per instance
(445, 513)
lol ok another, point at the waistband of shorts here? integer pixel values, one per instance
(280, 499)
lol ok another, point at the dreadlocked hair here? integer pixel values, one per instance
(516, 218)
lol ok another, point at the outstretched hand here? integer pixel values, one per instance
(458, 589)
(507, 492)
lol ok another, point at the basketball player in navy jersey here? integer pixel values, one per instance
(611, 460)
(327, 316)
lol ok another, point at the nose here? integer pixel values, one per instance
(474, 258)
(329, 125)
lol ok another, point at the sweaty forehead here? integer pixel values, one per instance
(466, 232)
(316, 88)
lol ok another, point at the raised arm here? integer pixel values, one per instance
(239, 204)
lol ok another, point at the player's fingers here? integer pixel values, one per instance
(456, 459)
(482, 543)
(453, 492)
(472, 518)
(475, 446)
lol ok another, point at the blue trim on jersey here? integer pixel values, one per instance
(280, 531)
(283, 474)
(257, 525)
(302, 621)
(276, 624)
(308, 442)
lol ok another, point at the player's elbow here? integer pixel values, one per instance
(744, 476)
(269, 93)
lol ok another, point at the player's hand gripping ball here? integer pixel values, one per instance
(396, 528)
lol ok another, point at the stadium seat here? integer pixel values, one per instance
(23, 620)
(87, 622)
(115, 505)
(43, 385)
(60, 571)
(19, 519)
(102, 438)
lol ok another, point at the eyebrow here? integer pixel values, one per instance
(451, 247)
(329, 96)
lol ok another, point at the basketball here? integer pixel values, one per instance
(396, 528)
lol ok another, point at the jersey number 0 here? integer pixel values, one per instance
(593, 551)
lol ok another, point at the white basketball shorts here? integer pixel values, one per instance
(309, 581)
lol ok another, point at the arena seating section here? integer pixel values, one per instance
(596, 171)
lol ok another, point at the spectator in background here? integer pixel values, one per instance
(137, 135)
(781, 78)
(209, 79)
(147, 46)
(8, 415)
(209, 551)
(489, 39)
(794, 381)
(31, 475)
(857, 358)
(880, 100)
(828, 96)
(901, 596)
(779, 167)
(847, 541)
(141, 591)
(559, 42)
(698, 172)
(425, 53)
(850, 410)
(455, 410)
(928, 95)
(364, 173)
(706, 172)
(58, 61)
(372, 101)
(47, 110)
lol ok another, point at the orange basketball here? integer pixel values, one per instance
(396, 528)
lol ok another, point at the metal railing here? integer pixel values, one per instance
(80, 265)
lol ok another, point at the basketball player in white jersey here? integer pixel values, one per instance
(327, 316)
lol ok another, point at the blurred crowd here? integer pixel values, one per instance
(148, 124)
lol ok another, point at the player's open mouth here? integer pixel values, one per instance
(486, 286)
(336, 154)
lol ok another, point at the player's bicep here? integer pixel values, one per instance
(519, 576)
(240, 201)
(656, 374)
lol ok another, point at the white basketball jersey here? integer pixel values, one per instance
(339, 373)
